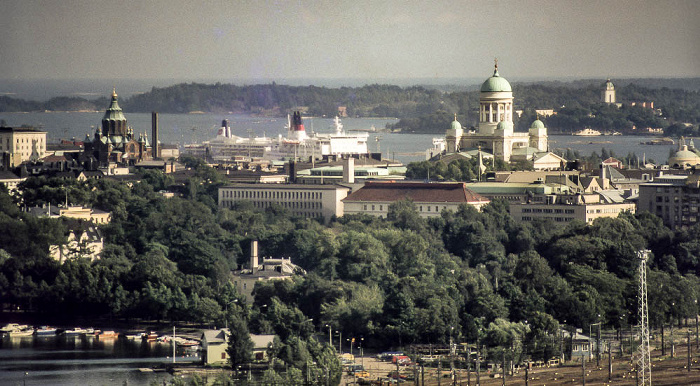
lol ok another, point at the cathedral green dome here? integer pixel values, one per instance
(496, 83)
(537, 124)
(455, 124)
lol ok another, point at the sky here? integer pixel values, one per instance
(243, 40)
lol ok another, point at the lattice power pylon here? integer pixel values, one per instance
(643, 353)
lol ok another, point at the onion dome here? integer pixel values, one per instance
(114, 112)
(496, 83)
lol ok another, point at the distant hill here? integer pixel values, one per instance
(678, 99)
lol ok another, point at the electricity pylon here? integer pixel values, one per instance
(643, 352)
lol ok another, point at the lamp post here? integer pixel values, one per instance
(362, 354)
(352, 342)
(697, 337)
(330, 336)
(340, 341)
(590, 333)
(670, 325)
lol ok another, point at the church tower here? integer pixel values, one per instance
(495, 103)
(114, 122)
(608, 92)
(538, 135)
(454, 136)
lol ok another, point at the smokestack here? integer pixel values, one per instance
(292, 171)
(227, 128)
(154, 135)
(349, 170)
(254, 255)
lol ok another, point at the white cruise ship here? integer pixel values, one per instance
(297, 144)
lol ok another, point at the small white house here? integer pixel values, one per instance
(215, 342)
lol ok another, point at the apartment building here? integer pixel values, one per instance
(673, 198)
(566, 208)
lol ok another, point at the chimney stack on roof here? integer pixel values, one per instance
(254, 255)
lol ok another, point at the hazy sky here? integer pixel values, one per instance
(238, 39)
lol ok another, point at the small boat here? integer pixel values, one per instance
(107, 335)
(77, 331)
(14, 329)
(45, 331)
(587, 132)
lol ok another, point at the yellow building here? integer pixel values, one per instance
(20, 144)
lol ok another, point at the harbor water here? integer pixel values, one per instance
(181, 129)
(83, 360)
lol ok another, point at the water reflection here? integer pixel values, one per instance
(70, 360)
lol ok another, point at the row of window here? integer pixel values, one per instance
(282, 195)
(555, 219)
(284, 204)
(547, 210)
(605, 210)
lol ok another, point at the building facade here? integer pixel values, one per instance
(311, 201)
(21, 144)
(567, 208)
(675, 199)
(374, 198)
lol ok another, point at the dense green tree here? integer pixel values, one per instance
(240, 347)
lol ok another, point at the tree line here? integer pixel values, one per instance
(576, 106)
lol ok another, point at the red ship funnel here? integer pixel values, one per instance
(297, 125)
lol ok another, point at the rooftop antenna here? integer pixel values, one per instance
(643, 352)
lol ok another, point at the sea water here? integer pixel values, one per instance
(182, 129)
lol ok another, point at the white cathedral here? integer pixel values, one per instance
(495, 129)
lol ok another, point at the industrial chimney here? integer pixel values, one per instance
(254, 255)
(349, 170)
(154, 135)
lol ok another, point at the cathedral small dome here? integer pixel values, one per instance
(456, 125)
(537, 124)
(504, 125)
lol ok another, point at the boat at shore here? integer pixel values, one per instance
(14, 329)
(78, 331)
(660, 141)
(587, 132)
(45, 331)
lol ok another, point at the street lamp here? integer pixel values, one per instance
(362, 354)
(352, 342)
(340, 341)
(330, 336)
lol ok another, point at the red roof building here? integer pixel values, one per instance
(430, 199)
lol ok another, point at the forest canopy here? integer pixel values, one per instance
(396, 281)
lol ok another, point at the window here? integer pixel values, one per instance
(223, 355)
